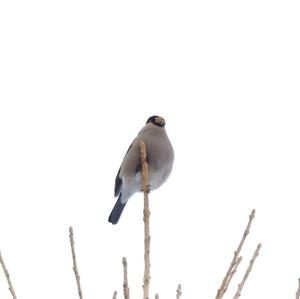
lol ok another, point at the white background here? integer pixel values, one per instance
(78, 81)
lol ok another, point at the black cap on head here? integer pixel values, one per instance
(156, 120)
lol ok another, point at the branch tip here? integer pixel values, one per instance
(125, 281)
(234, 263)
(10, 286)
(178, 292)
(75, 269)
(250, 266)
(298, 290)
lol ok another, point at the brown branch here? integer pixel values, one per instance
(232, 273)
(75, 269)
(10, 286)
(178, 292)
(224, 284)
(115, 295)
(146, 220)
(298, 290)
(125, 283)
(241, 285)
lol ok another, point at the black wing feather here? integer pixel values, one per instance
(118, 184)
(118, 180)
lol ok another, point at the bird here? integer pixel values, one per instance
(160, 157)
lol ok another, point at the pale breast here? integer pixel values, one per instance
(160, 156)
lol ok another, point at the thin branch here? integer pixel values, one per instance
(241, 285)
(229, 274)
(156, 296)
(232, 273)
(125, 283)
(146, 220)
(115, 295)
(10, 286)
(178, 292)
(75, 269)
(298, 290)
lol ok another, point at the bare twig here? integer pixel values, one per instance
(125, 283)
(178, 292)
(156, 296)
(75, 269)
(10, 286)
(146, 220)
(232, 273)
(115, 295)
(233, 263)
(298, 290)
(241, 285)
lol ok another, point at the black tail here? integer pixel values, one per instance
(117, 211)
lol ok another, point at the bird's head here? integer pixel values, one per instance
(156, 120)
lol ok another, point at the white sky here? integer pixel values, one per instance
(78, 81)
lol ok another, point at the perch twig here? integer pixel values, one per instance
(10, 286)
(146, 220)
(115, 295)
(75, 269)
